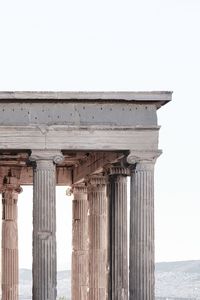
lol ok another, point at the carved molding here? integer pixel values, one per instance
(96, 181)
(47, 155)
(118, 170)
(79, 189)
(10, 190)
(10, 183)
(136, 157)
(67, 137)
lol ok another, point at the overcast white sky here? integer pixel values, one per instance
(117, 45)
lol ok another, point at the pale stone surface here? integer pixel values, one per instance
(10, 280)
(98, 238)
(79, 137)
(44, 225)
(80, 264)
(117, 194)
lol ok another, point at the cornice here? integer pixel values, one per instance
(159, 97)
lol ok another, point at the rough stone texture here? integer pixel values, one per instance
(98, 238)
(141, 276)
(77, 113)
(80, 271)
(10, 278)
(117, 193)
(44, 225)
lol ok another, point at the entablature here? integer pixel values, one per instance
(80, 120)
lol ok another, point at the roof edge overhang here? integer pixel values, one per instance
(158, 97)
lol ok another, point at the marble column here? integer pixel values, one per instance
(142, 262)
(80, 243)
(98, 238)
(117, 194)
(10, 277)
(44, 224)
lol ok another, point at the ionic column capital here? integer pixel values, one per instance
(46, 155)
(10, 191)
(79, 190)
(96, 181)
(147, 158)
(9, 198)
(3, 172)
(9, 188)
(10, 185)
(118, 170)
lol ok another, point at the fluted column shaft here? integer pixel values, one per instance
(80, 271)
(44, 227)
(10, 269)
(142, 262)
(117, 192)
(98, 238)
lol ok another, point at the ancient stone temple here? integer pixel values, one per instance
(91, 141)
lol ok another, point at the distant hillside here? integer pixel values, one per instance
(178, 279)
(190, 266)
(63, 284)
(25, 275)
(174, 280)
